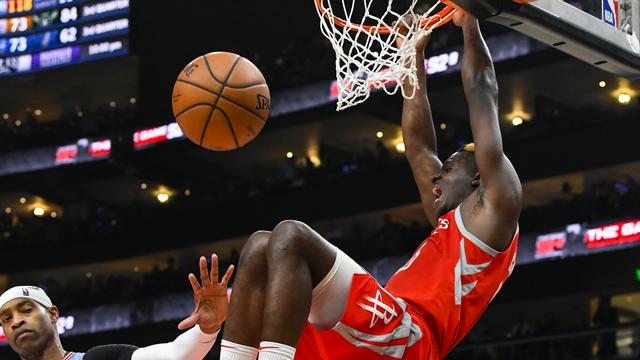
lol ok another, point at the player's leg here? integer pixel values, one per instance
(298, 259)
(304, 277)
(243, 327)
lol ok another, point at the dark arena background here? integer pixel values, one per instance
(107, 206)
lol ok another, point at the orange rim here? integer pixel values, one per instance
(434, 21)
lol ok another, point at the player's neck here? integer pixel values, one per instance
(53, 351)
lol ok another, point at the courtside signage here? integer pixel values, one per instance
(613, 234)
(142, 138)
(550, 245)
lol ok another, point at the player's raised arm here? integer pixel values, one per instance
(419, 135)
(501, 191)
(210, 296)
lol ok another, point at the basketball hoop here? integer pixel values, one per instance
(367, 57)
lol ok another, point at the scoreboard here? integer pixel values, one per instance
(41, 34)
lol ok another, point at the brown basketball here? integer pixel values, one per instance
(221, 101)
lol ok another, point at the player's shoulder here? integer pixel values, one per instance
(110, 352)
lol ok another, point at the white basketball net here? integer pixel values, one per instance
(367, 59)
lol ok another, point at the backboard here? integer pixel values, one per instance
(604, 33)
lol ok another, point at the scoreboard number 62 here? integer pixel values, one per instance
(68, 35)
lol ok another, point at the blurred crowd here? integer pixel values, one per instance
(383, 237)
(29, 131)
(602, 201)
(607, 335)
(297, 64)
(103, 288)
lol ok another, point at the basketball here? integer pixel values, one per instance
(221, 101)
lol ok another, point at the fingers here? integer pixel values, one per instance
(403, 25)
(423, 40)
(204, 272)
(187, 323)
(407, 21)
(227, 276)
(459, 17)
(214, 268)
(195, 285)
(209, 277)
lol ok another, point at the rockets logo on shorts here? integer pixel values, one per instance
(374, 322)
(379, 310)
(610, 12)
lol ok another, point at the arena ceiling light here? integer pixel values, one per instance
(518, 116)
(23, 205)
(624, 98)
(400, 147)
(379, 134)
(163, 197)
(624, 92)
(38, 211)
(163, 194)
(289, 155)
(602, 84)
(517, 121)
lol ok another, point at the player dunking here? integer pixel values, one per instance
(291, 277)
(28, 319)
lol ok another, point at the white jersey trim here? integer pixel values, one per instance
(474, 239)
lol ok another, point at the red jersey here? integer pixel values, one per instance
(426, 308)
(452, 277)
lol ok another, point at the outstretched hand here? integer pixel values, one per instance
(460, 18)
(210, 296)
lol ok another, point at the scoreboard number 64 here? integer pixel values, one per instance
(68, 14)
